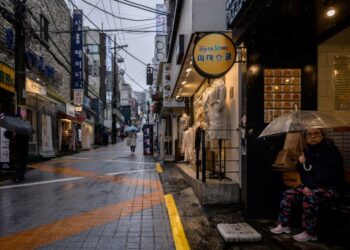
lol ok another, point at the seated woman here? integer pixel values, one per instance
(321, 171)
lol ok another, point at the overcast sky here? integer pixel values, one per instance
(140, 45)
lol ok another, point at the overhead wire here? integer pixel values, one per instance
(105, 11)
(143, 7)
(101, 31)
(92, 9)
(119, 17)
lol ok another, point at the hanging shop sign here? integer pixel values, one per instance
(213, 55)
(70, 110)
(168, 101)
(34, 87)
(77, 57)
(7, 78)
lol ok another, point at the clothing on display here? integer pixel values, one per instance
(184, 125)
(206, 107)
(184, 121)
(186, 145)
(218, 111)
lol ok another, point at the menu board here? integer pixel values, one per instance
(342, 82)
(282, 92)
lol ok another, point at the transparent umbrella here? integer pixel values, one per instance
(301, 120)
(131, 128)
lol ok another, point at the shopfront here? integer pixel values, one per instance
(41, 113)
(7, 89)
(209, 133)
(297, 57)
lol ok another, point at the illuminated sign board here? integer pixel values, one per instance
(213, 55)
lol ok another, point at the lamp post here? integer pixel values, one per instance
(115, 90)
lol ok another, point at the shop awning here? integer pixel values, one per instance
(188, 80)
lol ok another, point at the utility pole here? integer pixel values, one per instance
(115, 90)
(20, 67)
(114, 94)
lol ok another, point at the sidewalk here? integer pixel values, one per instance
(105, 198)
(200, 222)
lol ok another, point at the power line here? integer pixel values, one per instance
(101, 31)
(121, 23)
(104, 8)
(119, 17)
(134, 81)
(143, 7)
(92, 9)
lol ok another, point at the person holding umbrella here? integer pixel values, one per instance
(18, 132)
(19, 145)
(321, 171)
(132, 138)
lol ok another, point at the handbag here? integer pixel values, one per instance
(292, 149)
(128, 142)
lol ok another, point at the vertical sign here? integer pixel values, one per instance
(161, 19)
(109, 53)
(4, 147)
(77, 56)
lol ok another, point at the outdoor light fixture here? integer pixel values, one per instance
(254, 69)
(183, 82)
(330, 12)
(188, 70)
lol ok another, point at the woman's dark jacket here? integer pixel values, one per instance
(327, 166)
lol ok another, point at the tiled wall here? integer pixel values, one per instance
(326, 55)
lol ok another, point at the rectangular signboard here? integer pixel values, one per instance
(77, 50)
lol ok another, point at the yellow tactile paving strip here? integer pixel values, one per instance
(63, 170)
(159, 168)
(179, 235)
(61, 229)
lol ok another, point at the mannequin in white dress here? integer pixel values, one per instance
(218, 111)
(184, 124)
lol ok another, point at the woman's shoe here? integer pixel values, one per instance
(304, 236)
(280, 229)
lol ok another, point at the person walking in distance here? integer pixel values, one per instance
(132, 138)
(322, 173)
(19, 146)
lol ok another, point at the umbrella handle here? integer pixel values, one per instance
(307, 168)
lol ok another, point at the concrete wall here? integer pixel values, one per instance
(58, 15)
(209, 15)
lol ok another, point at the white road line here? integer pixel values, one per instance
(148, 163)
(71, 157)
(126, 172)
(41, 183)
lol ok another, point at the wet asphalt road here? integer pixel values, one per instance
(99, 199)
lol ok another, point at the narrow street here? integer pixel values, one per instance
(99, 199)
